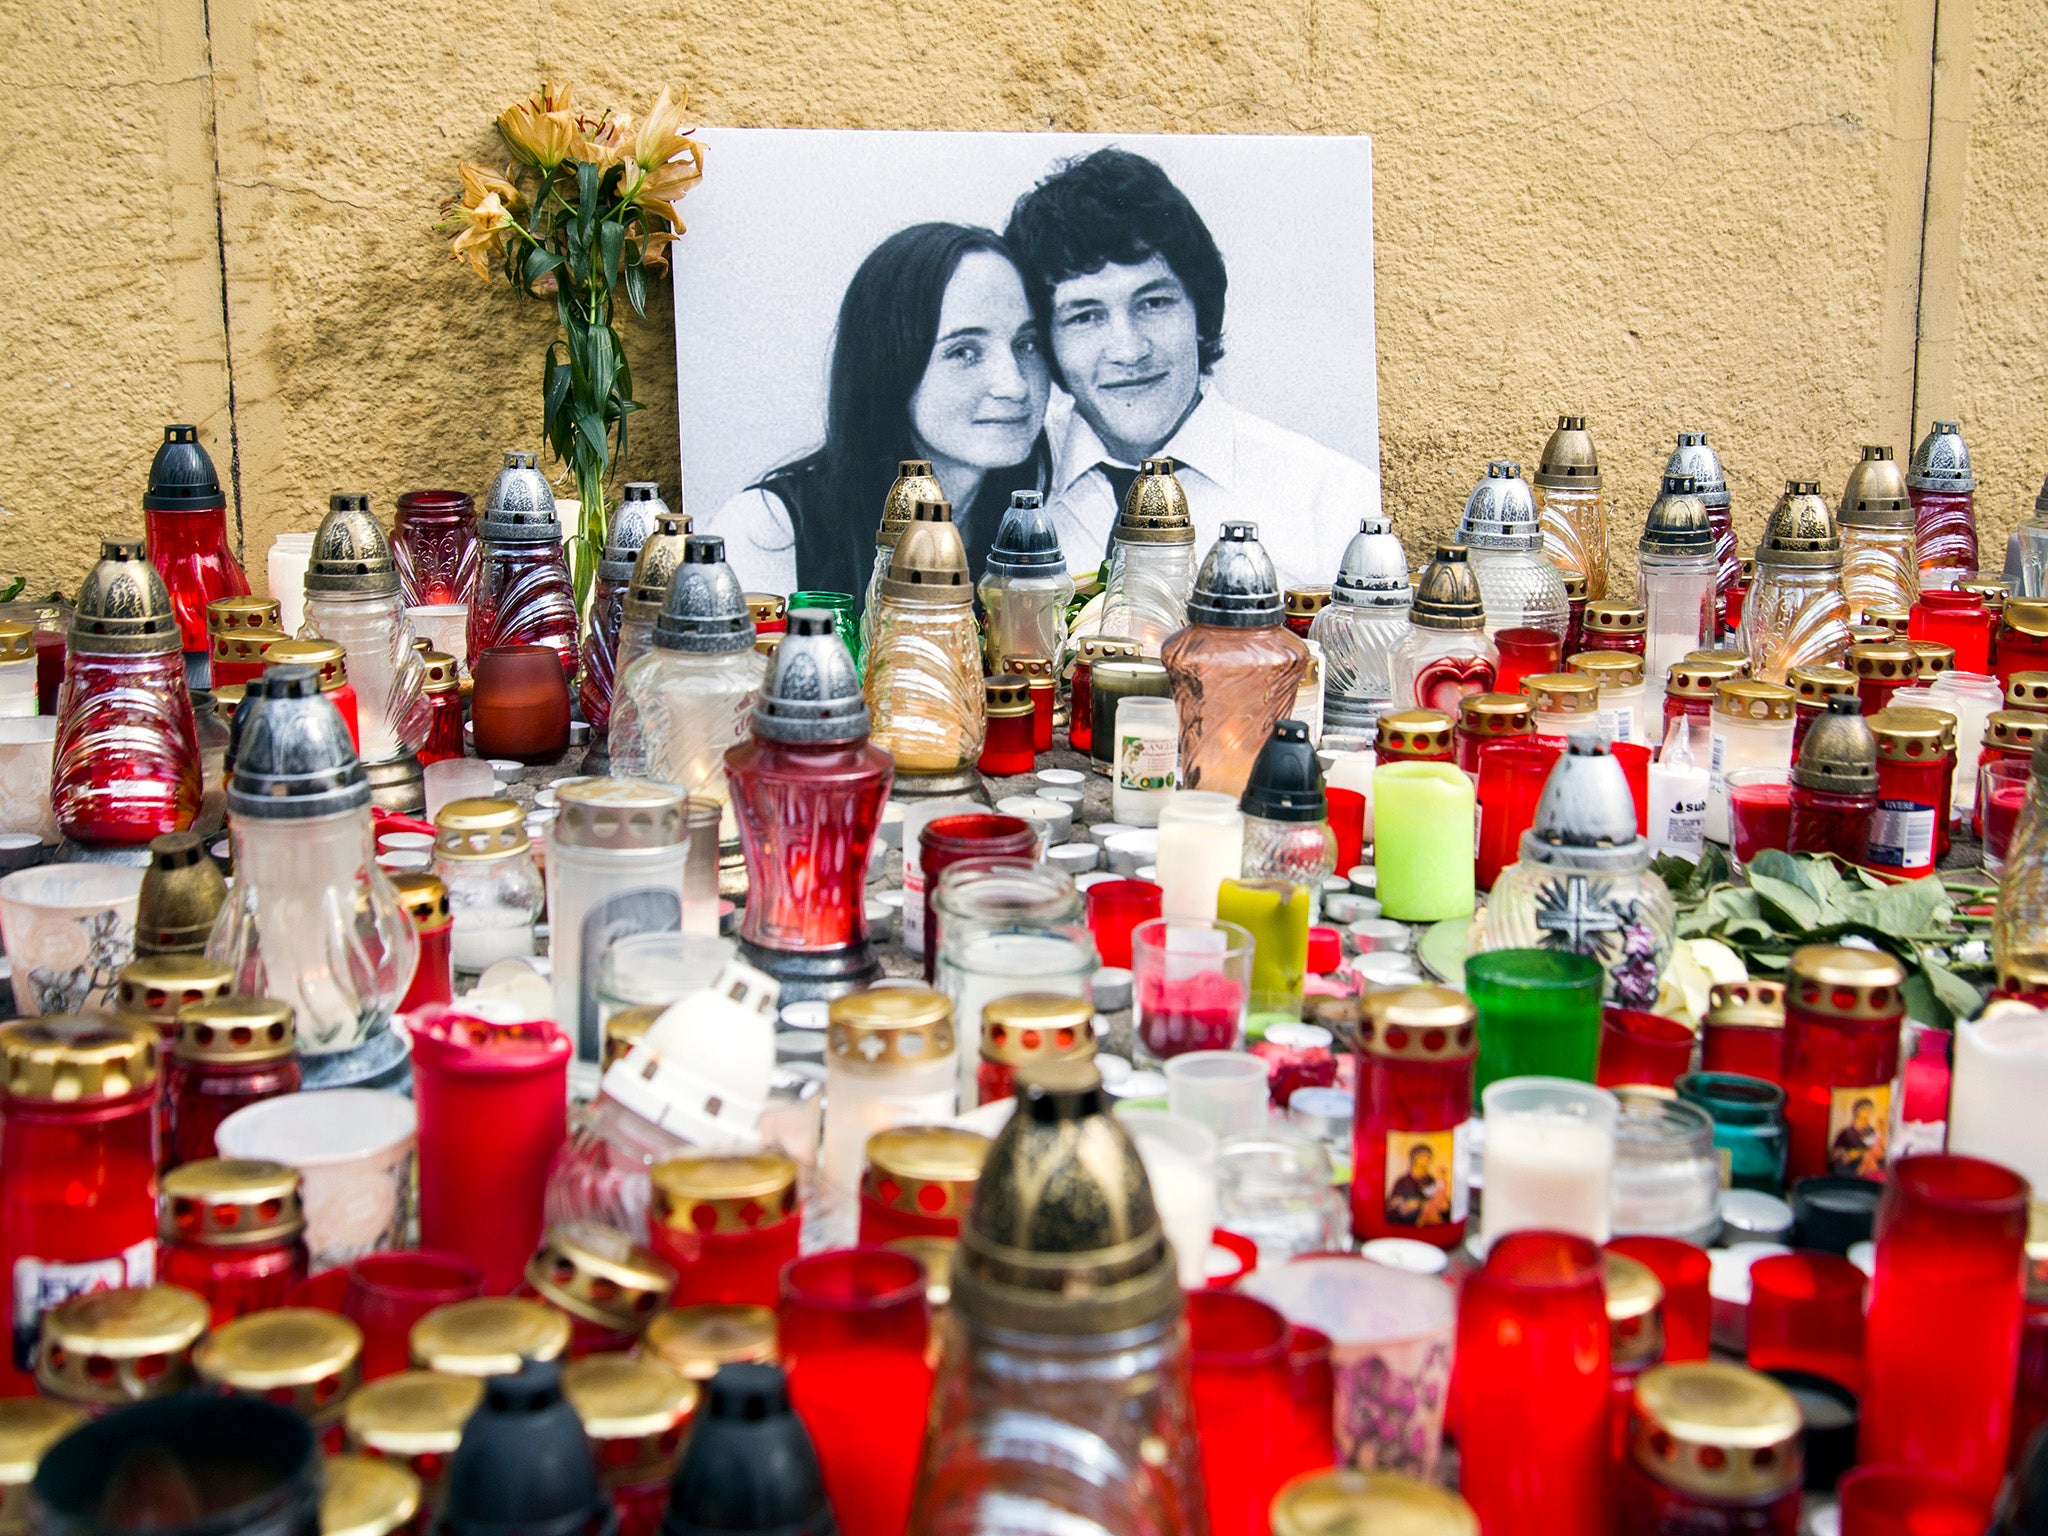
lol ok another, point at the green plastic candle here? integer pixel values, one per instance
(1275, 913)
(1422, 830)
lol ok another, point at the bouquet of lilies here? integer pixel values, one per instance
(583, 212)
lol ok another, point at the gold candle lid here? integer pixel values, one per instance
(736, 1192)
(1575, 584)
(654, 568)
(226, 1202)
(1814, 686)
(1008, 698)
(1908, 734)
(1414, 733)
(1696, 679)
(1875, 496)
(1723, 1432)
(488, 1336)
(1037, 671)
(225, 615)
(310, 1357)
(627, 1028)
(1801, 530)
(227, 698)
(628, 1397)
(1305, 602)
(2027, 690)
(120, 1346)
(924, 1170)
(1863, 633)
(697, 1340)
(1991, 588)
(1155, 509)
(366, 1496)
(929, 565)
(1421, 1023)
(1562, 693)
(1635, 1297)
(29, 1426)
(481, 830)
(914, 482)
(1029, 1027)
(425, 899)
(936, 1255)
(1935, 658)
(1448, 597)
(1347, 1503)
(1753, 1004)
(1738, 659)
(1610, 669)
(1094, 648)
(1569, 459)
(245, 646)
(2025, 616)
(77, 1058)
(2016, 730)
(413, 1413)
(1843, 983)
(889, 1028)
(442, 674)
(1884, 661)
(1894, 619)
(600, 1275)
(1743, 698)
(324, 656)
(153, 988)
(1495, 714)
(235, 1029)
(764, 607)
(1616, 616)
(17, 640)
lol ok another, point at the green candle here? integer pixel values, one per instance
(1539, 1014)
(1275, 912)
(1422, 836)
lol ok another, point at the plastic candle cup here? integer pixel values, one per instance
(1641, 1048)
(1179, 1155)
(353, 1147)
(947, 840)
(1511, 780)
(2001, 1064)
(1224, 1090)
(1806, 1314)
(1539, 1013)
(1191, 985)
(1684, 1271)
(1201, 844)
(1906, 1501)
(1423, 836)
(1145, 759)
(1549, 1158)
(1237, 1347)
(1276, 914)
(1115, 908)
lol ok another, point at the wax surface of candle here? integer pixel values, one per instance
(1547, 1171)
(2000, 1083)
(1423, 837)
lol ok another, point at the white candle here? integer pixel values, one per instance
(290, 555)
(1549, 1158)
(1180, 1164)
(1144, 762)
(2000, 1084)
(1201, 844)
(1678, 797)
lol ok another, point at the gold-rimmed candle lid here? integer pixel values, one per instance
(1496, 714)
(229, 1202)
(425, 899)
(367, 1496)
(1744, 698)
(698, 1340)
(889, 1028)
(442, 673)
(1813, 686)
(1692, 679)
(235, 1030)
(2014, 730)
(1615, 616)
(1028, 1027)
(2027, 690)
(325, 656)
(1346, 1503)
(1635, 1296)
(1420, 1023)
(2025, 616)
(1610, 669)
(627, 1028)
(152, 988)
(1738, 659)
(1756, 1003)
(412, 1413)
(481, 830)
(1839, 982)
(1720, 1432)
(75, 1058)
(1562, 693)
(1414, 733)
(1935, 658)
(924, 1170)
(1906, 733)
(765, 607)
(629, 1397)
(1007, 697)
(1884, 661)
(1305, 602)
(732, 1192)
(120, 1346)
(488, 1336)
(302, 1356)
(600, 1275)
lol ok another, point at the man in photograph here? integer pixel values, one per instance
(1128, 286)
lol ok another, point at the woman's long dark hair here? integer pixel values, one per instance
(888, 323)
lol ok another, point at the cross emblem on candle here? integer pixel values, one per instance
(1572, 908)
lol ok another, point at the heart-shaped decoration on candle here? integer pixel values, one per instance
(1447, 679)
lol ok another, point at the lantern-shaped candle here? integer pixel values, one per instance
(1843, 1008)
(653, 569)
(1518, 586)
(1411, 1164)
(433, 541)
(127, 750)
(1025, 587)
(808, 790)
(523, 594)
(1359, 629)
(914, 482)
(1235, 668)
(1422, 822)
(1446, 653)
(1694, 456)
(1834, 786)
(1286, 816)
(1571, 506)
(352, 599)
(184, 516)
(631, 526)
(923, 683)
(1880, 566)
(1151, 561)
(1796, 615)
(1943, 491)
(1676, 578)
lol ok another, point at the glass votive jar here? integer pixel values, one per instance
(652, 970)
(1878, 1500)
(230, 1052)
(982, 962)
(1539, 1013)
(456, 778)
(1623, 707)
(1007, 748)
(302, 1358)
(1667, 1175)
(1752, 728)
(1744, 1029)
(1145, 767)
(1712, 1448)
(1191, 985)
(518, 708)
(1111, 681)
(950, 839)
(484, 857)
(702, 901)
(233, 1233)
(919, 1181)
(1615, 624)
(1273, 1187)
(1511, 778)
(2001, 795)
(1749, 1126)
(1179, 1155)
(1759, 802)
(1115, 909)
(1523, 651)
(1025, 1030)
(1222, 1089)
(1548, 1158)
(726, 1223)
(1640, 1048)
(1488, 719)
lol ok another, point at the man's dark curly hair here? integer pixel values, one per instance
(1114, 207)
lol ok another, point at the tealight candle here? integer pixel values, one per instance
(1423, 832)
(1201, 844)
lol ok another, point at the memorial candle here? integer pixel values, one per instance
(1842, 1013)
(1549, 1158)
(1201, 844)
(2001, 1077)
(1422, 818)
(1275, 913)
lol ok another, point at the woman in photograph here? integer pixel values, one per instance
(936, 356)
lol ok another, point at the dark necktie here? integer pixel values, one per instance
(1120, 482)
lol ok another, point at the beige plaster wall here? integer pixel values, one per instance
(1660, 213)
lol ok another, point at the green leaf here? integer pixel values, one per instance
(636, 289)
(554, 387)
(588, 180)
(1786, 904)
(590, 427)
(1914, 909)
(1956, 994)
(540, 261)
(611, 240)
(1776, 864)
(1922, 1004)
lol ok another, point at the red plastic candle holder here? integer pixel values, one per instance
(1524, 653)
(1511, 780)
(1243, 1413)
(1843, 1008)
(946, 840)
(1688, 1307)
(1115, 907)
(1958, 619)
(1312, 1390)
(1905, 1501)
(384, 1294)
(1639, 1048)
(1806, 1314)
(728, 1224)
(1346, 813)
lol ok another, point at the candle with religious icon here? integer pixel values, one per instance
(1880, 560)
(923, 682)
(126, 760)
(1025, 588)
(352, 599)
(1445, 654)
(1028, 1031)
(632, 523)
(919, 1181)
(234, 1233)
(1411, 1164)
(184, 517)
(230, 1052)
(647, 589)
(523, 592)
(1359, 629)
(433, 540)
(889, 1059)
(808, 789)
(1677, 578)
(1235, 667)
(1843, 1008)
(1151, 561)
(1943, 490)
(1518, 587)
(1795, 614)
(1571, 504)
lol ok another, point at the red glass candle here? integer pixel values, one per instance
(238, 655)
(1312, 1390)
(1640, 1048)
(1023, 1031)
(1080, 688)
(1713, 1450)
(1511, 780)
(384, 1294)
(184, 518)
(1346, 815)
(1806, 1314)
(1414, 736)
(231, 1052)
(608, 1286)
(492, 1096)
(1689, 690)
(1943, 1331)
(1416, 1047)
(425, 899)
(1744, 1030)
(1303, 604)
(234, 1234)
(1237, 1348)
(433, 541)
(1829, 821)
(854, 1331)
(1532, 1387)
(727, 1224)
(1687, 1311)
(49, 668)
(2022, 641)
(2009, 735)
(1759, 811)
(1634, 757)
(1958, 620)
(1575, 613)
(946, 840)
(78, 1199)
(443, 688)
(1843, 1008)
(1614, 624)
(1882, 668)
(1008, 747)
(1526, 651)
(523, 598)
(1486, 720)
(519, 703)
(126, 764)
(919, 1181)
(1041, 691)
(1115, 907)
(1906, 1501)
(1912, 792)
(1635, 1340)
(2030, 1391)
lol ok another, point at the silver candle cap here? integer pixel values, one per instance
(1374, 573)
(293, 758)
(1694, 456)
(705, 612)
(520, 508)
(1942, 461)
(351, 552)
(639, 505)
(1586, 818)
(1026, 542)
(1237, 587)
(1501, 511)
(812, 692)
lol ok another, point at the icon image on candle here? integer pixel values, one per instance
(1422, 1189)
(1857, 1123)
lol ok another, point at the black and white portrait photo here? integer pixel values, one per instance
(1028, 312)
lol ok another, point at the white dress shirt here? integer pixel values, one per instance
(1235, 467)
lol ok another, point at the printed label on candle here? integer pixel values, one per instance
(1727, 1157)
(911, 920)
(1858, 1120)
(1426, 1178)
(41, 1284)
(1902, 834)
(1616, 722)
(1146, 761)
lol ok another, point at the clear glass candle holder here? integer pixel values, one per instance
(1667, 1175)
(1191, 985)
(1225, 1090)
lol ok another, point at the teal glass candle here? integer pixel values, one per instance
(1749, 1127)
(1539, 1013)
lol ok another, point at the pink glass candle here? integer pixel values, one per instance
(433, 542)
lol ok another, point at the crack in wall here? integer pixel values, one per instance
(227, 318)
